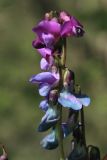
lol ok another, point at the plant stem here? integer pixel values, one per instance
(60, 133)
(83, 126)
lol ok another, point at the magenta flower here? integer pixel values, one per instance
(72, 27)
(48, 27)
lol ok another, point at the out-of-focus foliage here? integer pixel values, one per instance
(19, 100)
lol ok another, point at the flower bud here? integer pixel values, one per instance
(68, 77)
(94, 153)
(78, 153)
(4, 155)
(49, 15)
(53, 96)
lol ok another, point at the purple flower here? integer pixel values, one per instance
(72, 28)
(48, 32)
(50, 141)
(46, 81)
(47, 27)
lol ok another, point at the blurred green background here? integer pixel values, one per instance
(19, 100)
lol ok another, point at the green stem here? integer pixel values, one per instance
(83, 126)
(60, 133)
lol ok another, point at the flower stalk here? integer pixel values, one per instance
(57, 85)
(60, 133)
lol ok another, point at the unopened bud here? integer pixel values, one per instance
(48, 16)
(68, 76)
(94, 153)
(4, 154)
(53, 96)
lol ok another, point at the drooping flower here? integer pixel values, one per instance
(50, 141)
(49, 119)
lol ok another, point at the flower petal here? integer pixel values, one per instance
(50, 141)
(44, 64)
(46, 26)
(67, 99)
(48, 39)
(44, 89)
(43, 77)
(84, 99)
(45, 52)
(44, 105)
(38, 44)
(72, 28)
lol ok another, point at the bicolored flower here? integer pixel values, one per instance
(46, 81)
(50, 141)
(69, 100)
(49, 119)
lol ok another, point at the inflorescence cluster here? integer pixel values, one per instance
(57, 86)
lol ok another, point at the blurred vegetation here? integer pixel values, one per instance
(19, 100)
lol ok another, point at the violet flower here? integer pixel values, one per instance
(46, 63)
(71, 26)
(46, 81)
